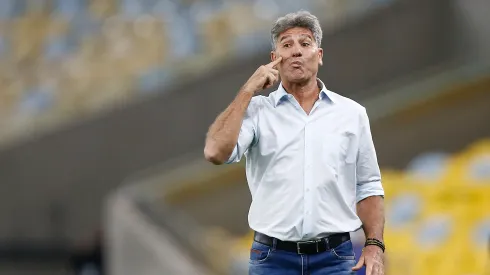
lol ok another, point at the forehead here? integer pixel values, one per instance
(296, 31)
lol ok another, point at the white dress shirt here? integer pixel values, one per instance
(307, 172)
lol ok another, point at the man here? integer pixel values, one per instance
(310, 160)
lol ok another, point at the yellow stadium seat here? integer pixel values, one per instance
(461, 163)
(149, 33)
(471, 262)
(57, 26)
(21, 39)
(478, 147)
(401, 241)
(455, 176)
(247, 240)
(10, 91)
(237, 13)
(437, 262)
(399, 262)
(393, 182)
(475, 198)
(28, 36)
(217, 35)
(102, 8)
(458, 167)
(448, 200)
(38, 7)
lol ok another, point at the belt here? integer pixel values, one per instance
(304, 247)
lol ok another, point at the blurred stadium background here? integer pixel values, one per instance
(104, 106)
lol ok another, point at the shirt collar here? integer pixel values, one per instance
(281, 94)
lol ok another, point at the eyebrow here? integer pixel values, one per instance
(289, 36)
(284, 37)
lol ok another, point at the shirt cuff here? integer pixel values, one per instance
(233, 156)
(369, 189)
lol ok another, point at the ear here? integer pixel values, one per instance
(273, 56)
(320, 56)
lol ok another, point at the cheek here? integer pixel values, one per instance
(284, 53)
(315, 60)
(312, 57)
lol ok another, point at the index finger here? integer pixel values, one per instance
(275, 62)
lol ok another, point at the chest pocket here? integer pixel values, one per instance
(339, 149)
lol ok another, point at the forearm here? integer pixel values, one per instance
(371, 212)
(223, 134)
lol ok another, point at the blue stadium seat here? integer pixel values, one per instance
(69, 8)
(403, 210)
(37, 100)
(429, 166)
(56, 47)
(132, 9)
(4, 46)
(153, 78)
(7, 9)
(435, 231)
(479, 168)
(481, 233)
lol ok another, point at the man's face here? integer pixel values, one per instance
(301, 56)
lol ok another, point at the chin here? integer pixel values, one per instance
(298, 76)
(297, 79)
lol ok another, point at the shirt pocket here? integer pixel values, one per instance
(338, 149)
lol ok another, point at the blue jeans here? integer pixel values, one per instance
(266, 260)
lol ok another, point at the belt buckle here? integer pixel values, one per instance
(298, 245)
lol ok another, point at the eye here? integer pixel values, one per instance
(306, 44)
(287, 45)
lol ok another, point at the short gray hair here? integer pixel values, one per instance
(303, 19)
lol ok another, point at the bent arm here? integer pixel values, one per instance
(370, 193)
(223, 134)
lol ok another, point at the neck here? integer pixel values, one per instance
(303, 92)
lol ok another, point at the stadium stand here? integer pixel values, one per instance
(435, 224)
(66, 52)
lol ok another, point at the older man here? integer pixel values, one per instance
(310, 162)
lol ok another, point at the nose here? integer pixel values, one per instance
(297, 52)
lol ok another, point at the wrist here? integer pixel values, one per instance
(375, 238)
(247, 90)
(375, 242)
(372, 249)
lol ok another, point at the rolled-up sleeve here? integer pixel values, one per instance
(247, 134)
(368, 172)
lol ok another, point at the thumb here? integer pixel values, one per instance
(359, 264)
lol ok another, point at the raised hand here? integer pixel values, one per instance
(264, 77)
